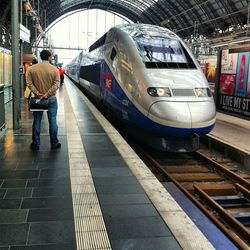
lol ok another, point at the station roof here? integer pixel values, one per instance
(206, 17)
(178, 15)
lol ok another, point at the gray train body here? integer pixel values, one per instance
(147, 76)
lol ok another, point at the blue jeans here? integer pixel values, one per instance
(53, 128)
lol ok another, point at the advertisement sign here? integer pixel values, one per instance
(242, 74)
(234, 83)
(229, 63)
(210, 69)
(227, 84)
(235, 104)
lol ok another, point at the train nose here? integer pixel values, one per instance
(183, 114)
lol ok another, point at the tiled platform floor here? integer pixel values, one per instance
(36, 211)
(35, 194)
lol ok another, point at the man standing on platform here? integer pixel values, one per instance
(43, 79)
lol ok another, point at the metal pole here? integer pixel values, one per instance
(41, 18)
(21, 11)
(15, 64)
(45, 21)
(21, 51)
(45, 33)
(35, 43)
(38, 13)
(26, 20)
(38, 9)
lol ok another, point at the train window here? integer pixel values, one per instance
(113, 54)
(100, 42)
(86, 73)
(166, 53)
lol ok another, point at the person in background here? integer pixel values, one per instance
(27, 66)
(61, 72)
(43, 80)
(27, 92)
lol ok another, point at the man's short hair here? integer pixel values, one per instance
(45, 54)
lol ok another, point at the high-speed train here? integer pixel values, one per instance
(149, 79)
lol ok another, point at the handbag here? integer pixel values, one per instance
(36, 104)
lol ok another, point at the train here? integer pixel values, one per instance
(148, 78)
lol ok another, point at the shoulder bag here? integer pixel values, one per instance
(36, 104)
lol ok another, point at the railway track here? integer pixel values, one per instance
(217, 187)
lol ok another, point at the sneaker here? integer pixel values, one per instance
(34, 147)
(55, 146)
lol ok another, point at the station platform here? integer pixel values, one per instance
(229, 139)
(92, 193)
(233, 131)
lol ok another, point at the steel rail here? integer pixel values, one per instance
(229, 233)
(230, 220)
(229, 173)
(243, 190)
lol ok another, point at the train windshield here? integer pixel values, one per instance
(169, 53)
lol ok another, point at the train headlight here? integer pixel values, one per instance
(203, 92)
(159, 92)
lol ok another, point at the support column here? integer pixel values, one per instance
(21, 51)
(15, 37)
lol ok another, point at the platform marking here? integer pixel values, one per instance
(90, 228)
(185, 231)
